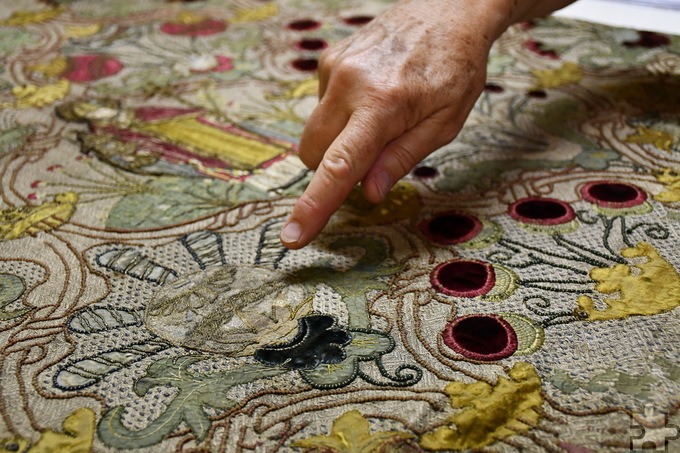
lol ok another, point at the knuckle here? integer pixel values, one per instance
(307, 204)
(338, 165)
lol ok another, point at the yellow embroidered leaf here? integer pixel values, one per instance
(34, 96)
(403, 202)
(19, 18)
(297, 90)
(351, 434)
(16, 223)
(77, 436)
(490, 413)
(255, 14)
(653, 288)
(188, 18)
(670, 178)
(569, 73)
(660, 139)
(81, 31)
(52, 68)
(13, 444)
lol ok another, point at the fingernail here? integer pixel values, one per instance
(384, 183)
(291, 233)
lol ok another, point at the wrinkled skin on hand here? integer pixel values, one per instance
(391, 94)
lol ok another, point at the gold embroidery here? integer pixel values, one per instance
(653, 288)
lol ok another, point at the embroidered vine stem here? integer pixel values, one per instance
(653, 230)
(400, 378)
(540, 306)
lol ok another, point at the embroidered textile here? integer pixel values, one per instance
(518, 291)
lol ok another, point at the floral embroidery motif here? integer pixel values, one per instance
(317, 342)
(351, 433)
(646, 288)
(567, 74)
(489, 412)
(30, 220)
(148, 164)
(77, 436)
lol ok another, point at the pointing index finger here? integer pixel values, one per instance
(346, 162)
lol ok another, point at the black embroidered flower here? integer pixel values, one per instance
(317, 342)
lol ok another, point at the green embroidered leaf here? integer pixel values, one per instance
(634, 386)
(169, 200)
(14, 138)
(197, 421)
(353, 284)
(11, 289)
(195, 391)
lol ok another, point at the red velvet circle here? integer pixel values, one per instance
(451, 228)
(311, 44)
(358, 20)
(484, 337)
(541, 211)
(304, 25)
(425, 172)
(463, 278)
(306, 64)
(493, 88)
(613, 194)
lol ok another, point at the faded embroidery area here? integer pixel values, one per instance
(518, 291)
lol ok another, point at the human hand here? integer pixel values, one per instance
(391, 94)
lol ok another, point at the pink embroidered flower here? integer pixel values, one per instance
(205, 27)
(537, 48)
(217, 63)
(86, 68)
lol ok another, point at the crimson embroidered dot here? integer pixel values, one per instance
(451, 228)
(304, 25)
(485, 337)
(539, 94)
(358, 20)
(312, 44)
(612, 194)
(542, 211)
(538, 48)
(463, 278)
(425, 172)
(649, 39)
(493, 88)
(306, 64)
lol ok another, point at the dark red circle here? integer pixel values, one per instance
(649, 40)
(304, 25)
(306, 64)
(425, 172)
(451, 228)
(493, 88)
(358, 20)
(485, 337)
(613, 194)
(311, 44)
(542, 211)
(538, 94)
(463, 278)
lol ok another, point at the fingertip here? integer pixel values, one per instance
(291, 235)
